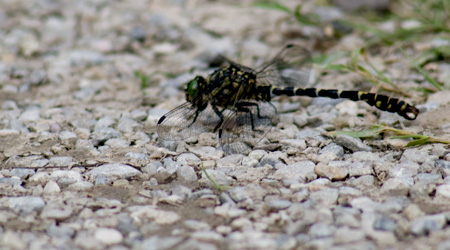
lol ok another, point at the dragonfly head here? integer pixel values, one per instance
(194, 87)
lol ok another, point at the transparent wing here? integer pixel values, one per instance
(244, 127)
(290, 67)
(186, 121)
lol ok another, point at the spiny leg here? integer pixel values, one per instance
(220, 115)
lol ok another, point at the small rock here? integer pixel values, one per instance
(320, 230)
(334, 170)
(114, 170)
(108, 236)
(358, 168)
(187, 173)
(427, 224)
(60, 231)
(326, 197)
(397, 186)
(30, 115)
(137, 156)
(188, 159)
(331, 152)
(117, 143)
(26, 204)
(61, 161)
(276, 205)
(51, 187)
(385, 223)
(443, 191)
(56, 213)
(345, 235)
(22, 172)
(353, 144)
(300, 171)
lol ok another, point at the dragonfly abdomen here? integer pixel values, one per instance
(381, 102)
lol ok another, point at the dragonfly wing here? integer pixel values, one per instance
(186, 121)
(290, 67)
(244, 127)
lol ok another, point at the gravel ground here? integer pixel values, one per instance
(81, 167)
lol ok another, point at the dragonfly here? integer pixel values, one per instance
(235, 101)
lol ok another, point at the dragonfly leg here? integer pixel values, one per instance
(220, 115)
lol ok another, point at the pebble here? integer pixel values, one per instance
(345, 235)
(325, 197)
(187, 174)
(114, 170)
(351, 143)
(299, 171)
(60, 161)
(117, 143)
(443, 191)
(26, 204)
(397, 186)
(108, 236)
(60, 231)
(188, 159)
(56, 213)
(427, 224)
(359, 168)
(51, 188)
(334, 170)
(320, 230)
(276, 205)
(32, 114)
(331, 152)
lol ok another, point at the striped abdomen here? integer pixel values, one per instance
(381, 102)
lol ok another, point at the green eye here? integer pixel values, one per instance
(192, 88)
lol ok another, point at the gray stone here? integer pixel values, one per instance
(358, 168)
(26, 204)
(404, 170)
(101, 179)
(278, 204)
(56, 213)
(152, 167)
(325, 197)
(443, 192)
(117, 143)
(60, 231)
(427, 224)
(346, 235)
(127, 125)
(188, 159)
(363, 156)
(187, 173)
(114, 170)
(104, 134)
(416, 155)
(65, 177)
(51, 187)
(230, 161)
(320, 230)
(22, 172)
(61, 161)
(331, 152)
(171, 166)
(159, 242)
(11, 181)
(397, 186)
(67, 135)
(138, 114)
(351, 143)
(300, 171)
(334, 170)
(32, 114)
(108, 236)
(272, 159)
(137, 156)
(444, 167)
(385, 223)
